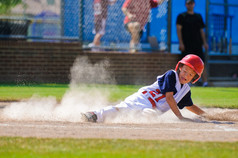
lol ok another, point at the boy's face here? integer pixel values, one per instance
(186, 74)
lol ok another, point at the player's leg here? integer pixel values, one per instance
(149, 112)
(108, 112)
(134, 103)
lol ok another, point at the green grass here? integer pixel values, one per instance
(19, 92)
(101, 148)
(207, 97)
(13, 92)
(215, 97)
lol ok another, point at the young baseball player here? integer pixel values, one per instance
(169, 91)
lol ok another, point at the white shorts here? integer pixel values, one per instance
(99, 27)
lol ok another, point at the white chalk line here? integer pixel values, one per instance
(219, 128)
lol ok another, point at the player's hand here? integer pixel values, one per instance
(205, 116)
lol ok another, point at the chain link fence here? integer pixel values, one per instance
(70, 20)
(117, 37)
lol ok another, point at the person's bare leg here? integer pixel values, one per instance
(134, 29)
(96, 40)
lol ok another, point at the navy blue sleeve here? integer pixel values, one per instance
(185, 101)
(167, 82)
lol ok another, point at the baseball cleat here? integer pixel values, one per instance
(90, 116)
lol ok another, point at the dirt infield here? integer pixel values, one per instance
(213, 130)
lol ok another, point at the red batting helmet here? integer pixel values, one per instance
(194, 62)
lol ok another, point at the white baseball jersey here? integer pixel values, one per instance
(153, 96)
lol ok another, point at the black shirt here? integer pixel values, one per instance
(191, 26)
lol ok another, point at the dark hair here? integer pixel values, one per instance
(187, 1)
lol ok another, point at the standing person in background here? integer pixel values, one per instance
(136, 16)
(190, 33)
(100, 16)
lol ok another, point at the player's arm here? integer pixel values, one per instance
(173, 105)
(195, 109)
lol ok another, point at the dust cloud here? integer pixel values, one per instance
(222, 114)
(76, 100)
(83, 71)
